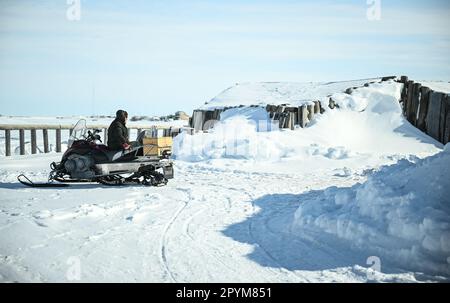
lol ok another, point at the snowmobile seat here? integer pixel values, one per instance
(113, 155)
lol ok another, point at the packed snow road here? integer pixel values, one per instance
(206, 225)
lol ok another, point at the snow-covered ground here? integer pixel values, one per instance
(360, 195)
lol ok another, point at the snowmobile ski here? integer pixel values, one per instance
(30, 183)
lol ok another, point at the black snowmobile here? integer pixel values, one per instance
(88, 160)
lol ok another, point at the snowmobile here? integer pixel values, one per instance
(87, 159)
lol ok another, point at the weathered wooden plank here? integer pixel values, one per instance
(22, 141)
(58, 140)
(7, 142)
(409, 94)
(292, 118)
(303, 116)
(209, 119)
(331, 103)
(33, 142)
(282, 121)
(445, 108)
(45, 137)
(413, 110)
(434, 113)
(447, 122)
(423, 107)
(316, 107)
(404, 80)
(310, 112)
(198, 120)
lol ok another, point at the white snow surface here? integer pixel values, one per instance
(293, 93)
(439, 86)
(249, 203)
(401, 213)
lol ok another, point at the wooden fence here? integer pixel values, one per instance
(287, 116)
(45, 128)
(426, 109)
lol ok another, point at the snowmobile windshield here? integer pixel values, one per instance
(78, 132)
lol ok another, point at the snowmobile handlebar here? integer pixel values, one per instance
(93, 136)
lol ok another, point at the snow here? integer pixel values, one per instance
(249, 203)
(371, 125)
(439, 86)
(275, 93)
(401, 212)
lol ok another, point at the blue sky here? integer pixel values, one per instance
(156, 57)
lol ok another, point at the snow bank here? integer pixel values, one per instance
(401, 213)
(242, 134)
(294, 93)
(439, 86)
(368, 122)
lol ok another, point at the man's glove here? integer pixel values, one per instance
(126, 146)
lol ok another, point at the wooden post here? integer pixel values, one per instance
(331, 103)
(58, 140)
(434, 113)
(414, 105)
(423, 107)
(310, 112)
(33, 141)
(409, 94)
(316, 107)
(302, 116)
(445, 108)
(22, 141)
(404, 80)
(447, 121)
(45, 136)
(292, 120)
(7, 142)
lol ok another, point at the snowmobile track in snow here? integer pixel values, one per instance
(163, 249)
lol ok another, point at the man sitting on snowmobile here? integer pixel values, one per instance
(118, 132)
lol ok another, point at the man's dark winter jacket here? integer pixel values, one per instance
(117, 135)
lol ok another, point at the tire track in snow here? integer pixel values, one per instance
(260, 245)
(163, 250)
(211, 248)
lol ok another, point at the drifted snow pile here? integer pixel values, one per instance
(241, 134)
(401, 214)
(367, 122)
